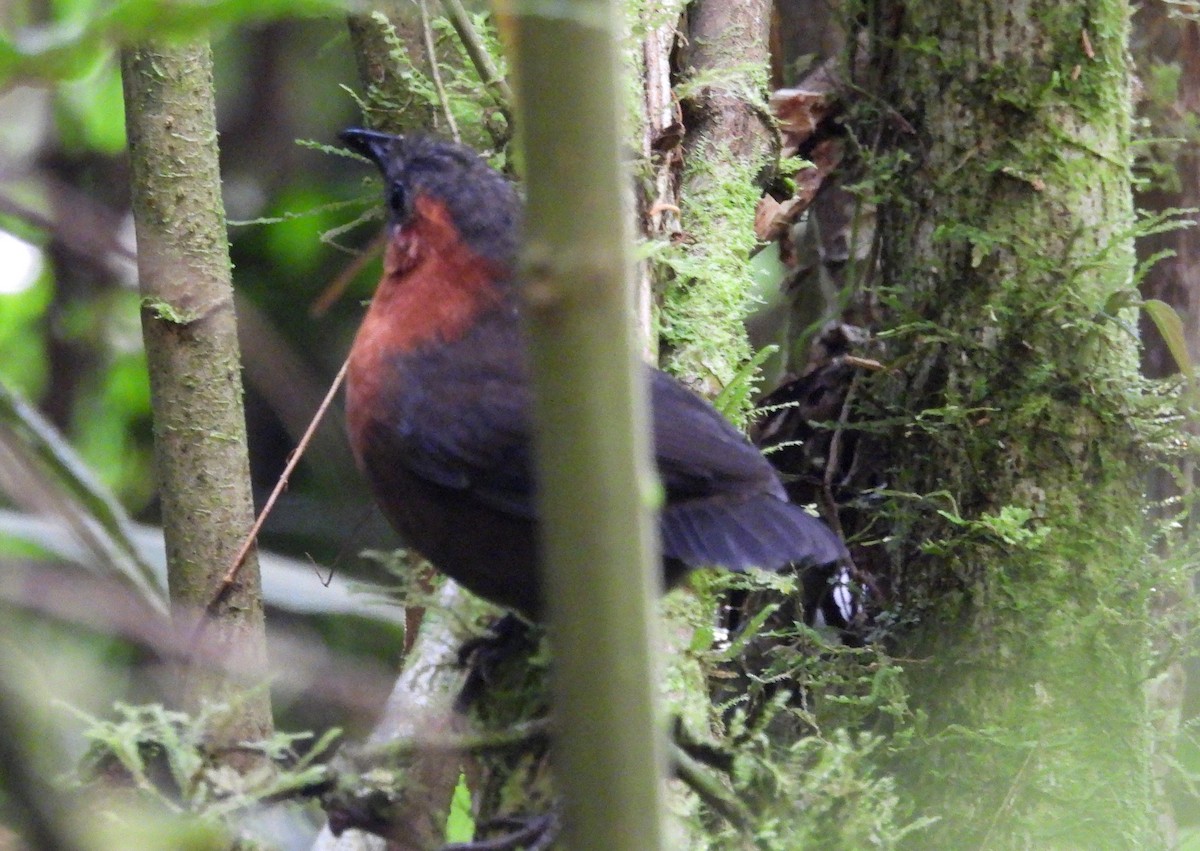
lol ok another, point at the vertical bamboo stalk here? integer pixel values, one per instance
(593, 455)
(195, 373)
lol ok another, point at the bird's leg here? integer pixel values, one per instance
(509, 639)
(508, 632)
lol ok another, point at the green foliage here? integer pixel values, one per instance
(481, 122)
(91, 110)
(821, 792)
(745, 79)
(110, 423)
(1171, 327)
(709, 293)
(23, 363)
(162, 757)
(460, 824)
(807, 723)
(111, 408)
(1012, 526)
(84, 32)
(737, 396)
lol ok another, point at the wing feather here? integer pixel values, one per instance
(470, 431)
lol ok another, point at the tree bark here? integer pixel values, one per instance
(195, 376)
(660, 131)
(388, 105)
(729, 145)
(422, 705)
(1007, 432)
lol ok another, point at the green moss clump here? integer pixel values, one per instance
(706, 301)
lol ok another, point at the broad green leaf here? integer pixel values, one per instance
(1171, 327)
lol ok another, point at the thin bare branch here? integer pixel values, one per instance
(248, 544)
(480, 58)
(434, 73)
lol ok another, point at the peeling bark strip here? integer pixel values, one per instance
(1014, 542)
(195, 374)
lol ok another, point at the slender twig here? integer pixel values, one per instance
(334, 291)
(1009, 796)
(833, 462)
(231, 574)
(434, 73)
(480, 58)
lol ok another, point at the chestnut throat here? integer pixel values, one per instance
(434, 289)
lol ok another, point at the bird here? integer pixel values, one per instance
(438, 401)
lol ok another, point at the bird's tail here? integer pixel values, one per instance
(761, 531)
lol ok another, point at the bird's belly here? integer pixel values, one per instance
(490, 553)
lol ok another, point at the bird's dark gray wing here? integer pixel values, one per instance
(463, 421)
(725, 503)
(465, 424)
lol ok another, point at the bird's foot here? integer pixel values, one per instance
(532, 833)
(503, 636)
(488, 656)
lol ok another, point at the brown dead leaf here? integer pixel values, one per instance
(799, 112)
(669, 138)
(825, 158)
(772, 218)
(764, 218)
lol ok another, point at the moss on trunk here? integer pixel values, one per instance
(1009, 424)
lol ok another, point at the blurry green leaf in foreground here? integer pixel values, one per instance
(40, 472)
(1170, 326)
(82, 36)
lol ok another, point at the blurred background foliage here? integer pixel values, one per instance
(70, 344)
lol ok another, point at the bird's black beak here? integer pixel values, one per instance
(372, 144)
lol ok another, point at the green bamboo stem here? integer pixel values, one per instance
(596, 485)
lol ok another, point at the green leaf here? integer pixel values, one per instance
(733, 398)
(73, 45)
(1120, 300)
(1171, 327)
(460, 825)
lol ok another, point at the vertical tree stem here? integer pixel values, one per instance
(595, 481)
(195, 372)
(1006, 229)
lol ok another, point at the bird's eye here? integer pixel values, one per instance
(398, 201)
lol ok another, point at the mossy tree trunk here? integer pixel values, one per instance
(195, 379)
(729, 145)
(1006, 428)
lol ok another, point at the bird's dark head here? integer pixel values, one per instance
(426, 177)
